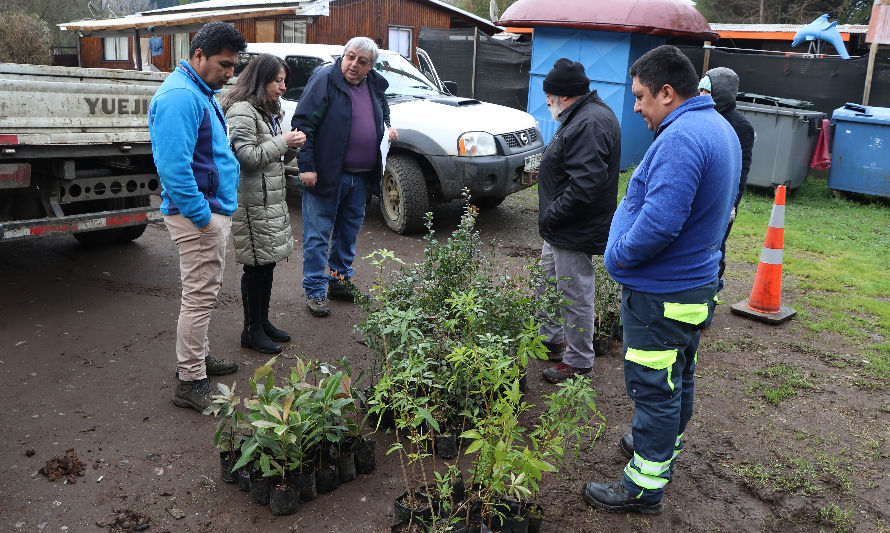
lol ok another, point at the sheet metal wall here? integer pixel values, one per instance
(606, 57)
(502, 67)
(828, 82)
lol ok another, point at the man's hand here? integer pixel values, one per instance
(732, 216)
(294, 139)
(308, 179)
(393, 135)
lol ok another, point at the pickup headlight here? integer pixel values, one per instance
(473, 143)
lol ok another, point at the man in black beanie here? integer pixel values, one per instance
(577, 195)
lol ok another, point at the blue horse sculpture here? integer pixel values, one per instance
(823, 30)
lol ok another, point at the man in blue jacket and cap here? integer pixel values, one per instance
(664, 249)
(345, 115)
(199, 176)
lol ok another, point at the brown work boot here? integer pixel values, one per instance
(562, 372)
(194, 394)
(219, 367)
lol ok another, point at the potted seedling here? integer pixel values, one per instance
(229, 433)
(607, 309)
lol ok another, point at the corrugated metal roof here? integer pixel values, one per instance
(216, 4)
(675, 18)
(226, 4)
(778, 28)
(879, 24)
(133, 22)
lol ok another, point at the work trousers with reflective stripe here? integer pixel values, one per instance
(661, 334)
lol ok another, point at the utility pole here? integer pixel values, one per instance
(761, 11)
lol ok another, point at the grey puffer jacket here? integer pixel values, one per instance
(261, 226)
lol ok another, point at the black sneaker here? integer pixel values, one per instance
(194, 394)
(561, 372)
(344, 290)
(613, 497)
(318, 306)
(219, 367)
(555, 350)
(626, 446)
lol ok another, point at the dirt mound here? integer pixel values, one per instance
(126, 521)
(66, 466)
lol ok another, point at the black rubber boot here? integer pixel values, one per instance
(277, 335)
(253, 336)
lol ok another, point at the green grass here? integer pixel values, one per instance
(836, 254)
(782, 382)
(836, 258)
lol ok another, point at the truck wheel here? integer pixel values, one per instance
(122, 235)
(489, 202)
(403, 196)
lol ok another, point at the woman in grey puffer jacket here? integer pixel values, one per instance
(261, 226)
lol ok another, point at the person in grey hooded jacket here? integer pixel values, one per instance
(723, 85)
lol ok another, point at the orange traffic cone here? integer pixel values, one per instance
(766, 296)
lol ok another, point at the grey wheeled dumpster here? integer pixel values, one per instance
(785, 141)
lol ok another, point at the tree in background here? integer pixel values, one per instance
(52, 12)
(24, 39)
(483, 8)
(784, 11)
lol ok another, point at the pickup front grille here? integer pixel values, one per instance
(520, 138)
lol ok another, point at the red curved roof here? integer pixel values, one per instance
(672, 18)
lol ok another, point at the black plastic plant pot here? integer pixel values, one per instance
(327, 478)
(304, 481)
(283, 499)
(405, 511)
(474, 527)
(602, 344)
(259, 488)
(244, 477)
(345, 466)
(365, 461)
(226, 461)
(446, 446)
(535, 518)
(514, 524)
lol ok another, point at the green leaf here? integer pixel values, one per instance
(475, 446)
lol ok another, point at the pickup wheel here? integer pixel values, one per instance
(403, 195)
(122, 235)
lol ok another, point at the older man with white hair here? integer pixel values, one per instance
(344, 113)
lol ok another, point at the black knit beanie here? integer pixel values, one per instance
(567, 78)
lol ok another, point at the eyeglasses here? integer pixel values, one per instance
(361, 60)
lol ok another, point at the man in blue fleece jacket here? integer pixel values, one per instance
(664, 248)
(199, 176)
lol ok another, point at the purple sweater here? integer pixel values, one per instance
(361, 152)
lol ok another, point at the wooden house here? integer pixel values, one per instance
(161, 37)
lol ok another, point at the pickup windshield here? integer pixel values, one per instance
(403, 77)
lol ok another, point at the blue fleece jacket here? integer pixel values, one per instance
(190, 144)
(666, 233)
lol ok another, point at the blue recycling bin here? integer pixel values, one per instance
(860, 154)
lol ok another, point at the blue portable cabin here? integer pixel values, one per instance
(606, 36)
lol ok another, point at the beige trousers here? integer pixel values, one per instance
(202, 259)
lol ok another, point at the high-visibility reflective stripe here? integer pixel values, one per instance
(695, 359)
(677, 442)
(643, 480)
(777, 218)
(649, 467)
(670, 382)
(771, 256)
(693, 314)
(654, 359)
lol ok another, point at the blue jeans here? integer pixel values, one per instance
(330, 228)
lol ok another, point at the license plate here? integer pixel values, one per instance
(532, 162)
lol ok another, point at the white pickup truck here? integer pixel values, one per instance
(75, 156)
(446, 143)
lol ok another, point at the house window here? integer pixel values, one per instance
(116, 48)
(401, 39)
(180, 48)
(293, 31)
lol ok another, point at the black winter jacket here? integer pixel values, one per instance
(324, 114)
(745, 133)
(578, 177)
